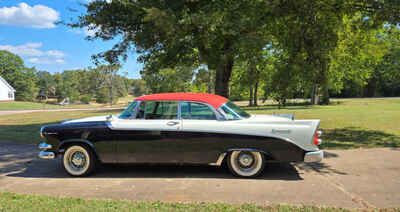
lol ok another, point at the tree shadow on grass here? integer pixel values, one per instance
(352, 137)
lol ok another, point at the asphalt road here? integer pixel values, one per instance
(367, 178)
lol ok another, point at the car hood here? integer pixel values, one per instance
(88, 119)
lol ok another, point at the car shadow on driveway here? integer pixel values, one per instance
(39, 168)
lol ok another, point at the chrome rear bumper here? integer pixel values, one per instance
(314, 156)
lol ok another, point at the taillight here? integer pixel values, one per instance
(317, 141)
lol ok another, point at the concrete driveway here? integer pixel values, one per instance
(368, 178)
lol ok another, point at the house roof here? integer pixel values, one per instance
(6, 83)
(212, 99)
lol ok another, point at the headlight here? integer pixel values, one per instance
(41, 131)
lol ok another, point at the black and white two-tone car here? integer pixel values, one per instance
(182, 128)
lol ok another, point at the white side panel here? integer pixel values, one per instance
(143, 124)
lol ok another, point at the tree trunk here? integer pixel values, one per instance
(223, 77)
(314, 94)
(251, 95)
(255, 97)
(370, 88)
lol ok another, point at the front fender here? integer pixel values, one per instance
(66, 142)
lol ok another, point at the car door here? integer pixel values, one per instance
(150, 137)
(201, 143)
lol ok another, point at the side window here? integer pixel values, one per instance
(196, 111)
(158, 110)
(185, 112)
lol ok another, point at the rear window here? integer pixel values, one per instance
(196, 111)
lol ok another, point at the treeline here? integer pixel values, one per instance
(277, 49)
(365, 63)
(100, 84)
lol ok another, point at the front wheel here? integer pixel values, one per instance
(78, 161)
(246, 163)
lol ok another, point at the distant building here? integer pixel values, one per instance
(7, 93)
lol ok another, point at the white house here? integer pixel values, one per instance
(6, 91)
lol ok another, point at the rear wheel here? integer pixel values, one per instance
(246, 163)
(79, 161)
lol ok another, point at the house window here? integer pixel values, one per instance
(10, 95)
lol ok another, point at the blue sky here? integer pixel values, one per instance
(27, 28)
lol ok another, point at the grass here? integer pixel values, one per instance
(21, 202)
(19, 105)
(350, 123)
(24, 127)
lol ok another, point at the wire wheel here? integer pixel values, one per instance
(246, 163)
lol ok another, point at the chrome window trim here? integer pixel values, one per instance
(222, 111)
(134, 113)
(179, 110)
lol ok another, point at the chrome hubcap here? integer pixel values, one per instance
(245, 160)
(78, 159)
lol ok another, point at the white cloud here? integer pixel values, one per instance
(55, 53)
(35, 54)
(28, 49)
(89, 32)
(33, 60)
(38, 16)
(45, 61)
(86, 31)
(108, 1)
(59, 61)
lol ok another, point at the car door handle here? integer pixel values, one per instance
(172, 123)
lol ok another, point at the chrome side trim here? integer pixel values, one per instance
(44, 146)
(316, 156)
(46, 155)
(219, 161)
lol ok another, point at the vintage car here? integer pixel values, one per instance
(182, 128)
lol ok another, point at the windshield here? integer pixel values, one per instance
(129, 111)
(233, 111)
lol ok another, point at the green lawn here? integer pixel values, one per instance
(19, 105)
(24, 127)
(351, 123)
(21, 202)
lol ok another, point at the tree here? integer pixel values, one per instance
(137, 87)
(203, 81)
(107, 78)
(23, 79)
(184, 33)
(46, 83)
(179, 32)
(68, 85)
(168, 80)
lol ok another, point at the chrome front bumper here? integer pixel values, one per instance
(316, 156)
(46, 155)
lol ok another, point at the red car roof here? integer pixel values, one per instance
(211, 99)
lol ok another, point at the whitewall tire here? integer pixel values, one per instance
(78, 160)
(246, 163)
